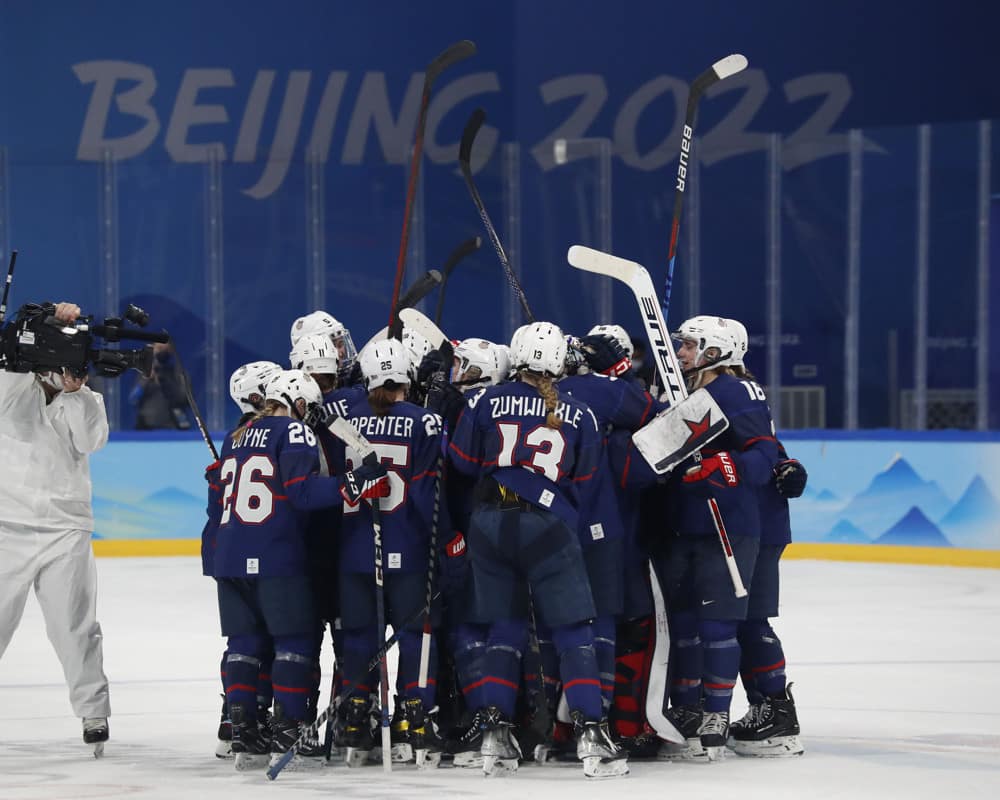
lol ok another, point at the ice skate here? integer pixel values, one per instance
(224, 745)
(250, 749)
(95, 732)
(714, 732)
(687, 720)
(774, 732)
(558, 746)
(466, 750)
(359, 737)
(402, 750)
(425, 739)
(601, 757)
(748, 720)
(500, 750)
(285, 733)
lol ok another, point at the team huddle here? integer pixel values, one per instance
(490, 505)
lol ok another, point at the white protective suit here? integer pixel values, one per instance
(46, 521)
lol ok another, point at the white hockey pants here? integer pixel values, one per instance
(62, 568)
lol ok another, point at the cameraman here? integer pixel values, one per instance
(49, 423)
(160, 399)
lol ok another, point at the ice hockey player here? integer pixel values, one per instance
(531, 450)
(770, 727)
(321, 322)
(705, 613)
(270, 481)
(408, 440)
(246, 388)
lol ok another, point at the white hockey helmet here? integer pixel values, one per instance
(539, 347)
(502, 354)
(250, 380)
(321, 322)
(416, 347)
(708, 333)
(615, 332)
(383, 361)
(315, 353)
(742, 342)
(477, 363)
(291, 385)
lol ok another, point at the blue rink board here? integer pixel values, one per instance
(881, 487)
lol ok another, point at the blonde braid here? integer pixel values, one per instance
(551, 397)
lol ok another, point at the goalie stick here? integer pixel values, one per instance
(467, 247)
(720, 70)
(465, 164)
(457, 52)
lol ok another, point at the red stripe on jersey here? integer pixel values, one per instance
(292, 689)
(296, 480)
(750, 442)
(769, 668)
(452, 446)
(581, 682)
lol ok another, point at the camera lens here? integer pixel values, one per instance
(136, 316)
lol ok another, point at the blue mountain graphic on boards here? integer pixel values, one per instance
(974, 520)
(844, 532)
(890, 496)
(167, 513)
(916, 530)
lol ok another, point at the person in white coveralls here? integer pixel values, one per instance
(49, 424)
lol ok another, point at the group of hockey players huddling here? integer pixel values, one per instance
(510, 493)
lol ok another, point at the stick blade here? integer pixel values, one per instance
(421, 288)
(452, 55)
(730, 65)
(469, 136)
(466, 248)
(590, 260)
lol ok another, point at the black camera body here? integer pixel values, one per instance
(37, 342)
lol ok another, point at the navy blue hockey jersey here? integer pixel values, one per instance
(270, 482)
(750, 442)
(408, 442)
(502, 433)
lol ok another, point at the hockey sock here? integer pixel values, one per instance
(578, 668)
(408, 676)
(241, 678)
(265, 692)
(630, 676)
(468, 644)
(504, 647)
(222, 672)
(687, 660)
(762, 664)
(722, 662)
(548, 660)
(293, 676)
(359, 644)
(604, 649)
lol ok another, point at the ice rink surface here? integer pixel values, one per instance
(895, 671)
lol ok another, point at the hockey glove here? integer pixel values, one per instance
(370, 480)
(605, 354)
(213, 473)
(319, 416)
(790, 478)
(718, 471)
(454, 564)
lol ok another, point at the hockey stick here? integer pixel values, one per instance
(420, 288)
(422, 324)
(460, 252)
(309, 733)
(727, 549)
(10, 278)
(637, 279)
(720, 70)
(199, 420)
(465, 163)
(383, 666)
(457, 52)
